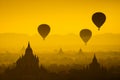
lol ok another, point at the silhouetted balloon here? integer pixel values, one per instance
(98, 19)
(85, 34)
(43, 30)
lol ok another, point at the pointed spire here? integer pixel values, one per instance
(94, 59)
(28, 50)
(28, 44)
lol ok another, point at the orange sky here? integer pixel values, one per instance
(64, 16)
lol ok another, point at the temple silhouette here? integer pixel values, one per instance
(61, 51)
(26, 68)
(29, 61)
(95, 66)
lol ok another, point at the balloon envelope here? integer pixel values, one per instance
(98, 19)
(85, 35)
(43, 30)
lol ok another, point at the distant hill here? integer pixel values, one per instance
(106, 39)
(12, 41)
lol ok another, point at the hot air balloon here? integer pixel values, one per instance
(98, 19)
(85, 35)
(44, 30)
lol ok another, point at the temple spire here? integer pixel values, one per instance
(95, 59)
(28, 44)
(28, 51)
(28, 61)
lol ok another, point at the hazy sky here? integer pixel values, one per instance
(64, 16)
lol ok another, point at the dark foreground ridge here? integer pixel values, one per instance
(27, 68)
